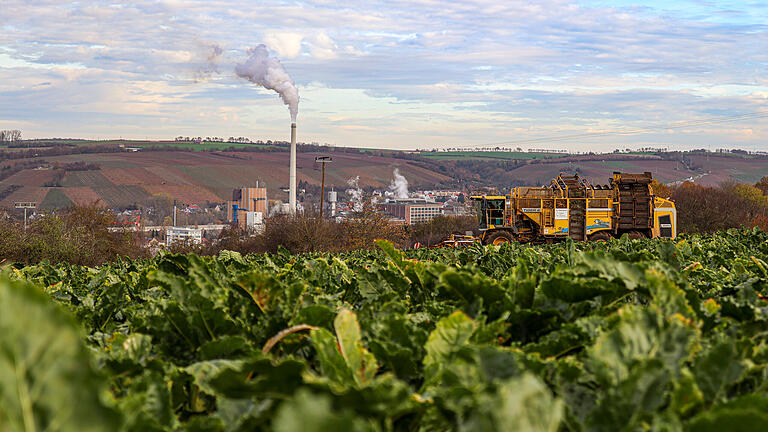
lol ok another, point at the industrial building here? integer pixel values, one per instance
(247, 200)
(411, 210)
(250, 220)
(183, 234)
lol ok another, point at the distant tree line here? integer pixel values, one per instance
(307, 232)
(702, 209)
(10, 136)
(77, 166)
(5, 193)
(57, 179)
(77, 235)
(214, 139)
(60, 171)
(57, 151)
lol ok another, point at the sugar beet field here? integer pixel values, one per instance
(627, 335)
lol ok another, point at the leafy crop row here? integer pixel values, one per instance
(627, 335)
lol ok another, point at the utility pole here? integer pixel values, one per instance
(25, 206)
(322, 160)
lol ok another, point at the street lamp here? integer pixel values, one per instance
(25, 205)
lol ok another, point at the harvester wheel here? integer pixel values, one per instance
(634, 235)
(499, 238)
(600, 236)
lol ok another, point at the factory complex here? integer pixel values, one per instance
(248, 206)
(411, 210)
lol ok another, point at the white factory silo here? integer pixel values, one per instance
(332, 198)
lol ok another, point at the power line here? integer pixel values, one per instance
(676, 125)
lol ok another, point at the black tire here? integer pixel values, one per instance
(600, 236)
(499, 238)
(635, 235)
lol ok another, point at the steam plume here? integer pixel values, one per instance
(276, 209)
(399, 185)
(355, 193)
(267, 72)
(210, 63)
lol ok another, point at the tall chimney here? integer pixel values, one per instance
(292, 172)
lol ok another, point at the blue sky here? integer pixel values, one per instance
(394, 74)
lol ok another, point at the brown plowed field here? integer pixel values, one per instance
(121, 195)
(169, 175)
(184, 194)
(30, 177)
(133, 176)
(86, 179)
(83, 195)
(26, 193)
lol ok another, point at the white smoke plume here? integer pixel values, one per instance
(355, 193)
(399, 185)
(276, 209)
(210, 62)
(267, 72)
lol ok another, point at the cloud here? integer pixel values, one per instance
(322, 47)
(286, 44)
(471, 71)
(209, 57)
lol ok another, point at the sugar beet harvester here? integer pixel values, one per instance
(572, 207)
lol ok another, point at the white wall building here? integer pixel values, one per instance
(182, 234)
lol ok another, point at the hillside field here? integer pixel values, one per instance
(705, 169)
(127, 177)
(197, 177)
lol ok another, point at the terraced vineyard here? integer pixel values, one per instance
(627, 335)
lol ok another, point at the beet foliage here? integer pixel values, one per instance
(625, 335)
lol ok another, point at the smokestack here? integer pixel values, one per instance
(292, 172)
(267, 72)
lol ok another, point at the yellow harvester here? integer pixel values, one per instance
(572, 207)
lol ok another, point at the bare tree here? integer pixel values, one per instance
(10, 136)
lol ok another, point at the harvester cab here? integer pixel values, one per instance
(490, 211)
(571, 207)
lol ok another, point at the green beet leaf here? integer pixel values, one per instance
(308, 412)
(748, 413)
(521, 404)
(47, 380)
(343, 358)
(358, 359)
(451, 333)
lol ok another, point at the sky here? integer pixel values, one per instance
(554, 74)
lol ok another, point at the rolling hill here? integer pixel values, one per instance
(126, 178)
(129, 177)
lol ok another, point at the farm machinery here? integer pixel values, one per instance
(571, 207)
